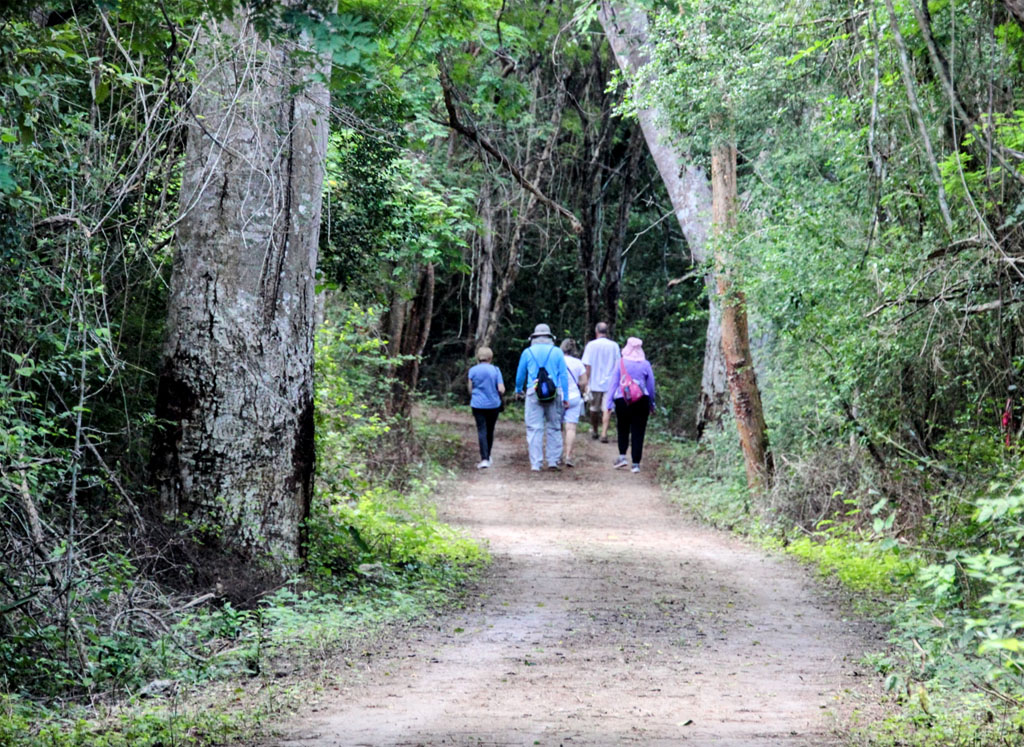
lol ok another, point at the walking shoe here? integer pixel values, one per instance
(635, 467)
(604, 439)
(489, 461)
(483, 464)
(554, 467)
(620, 461)
(595, 435)
(568, 463)
(534, 469)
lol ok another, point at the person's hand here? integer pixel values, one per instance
(519, 396)
(565, 404)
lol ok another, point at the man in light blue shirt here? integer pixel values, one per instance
(543, 418)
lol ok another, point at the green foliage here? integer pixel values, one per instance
(878, 331)
(27, 724)
(860, 565)
(84, 193)
(384, 528)
(385, 214)
(978, 589)
(376, 554)
(924, 721)
(91, 109)
(708, 481)
(364, 526)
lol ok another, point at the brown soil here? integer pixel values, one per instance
(607, 618)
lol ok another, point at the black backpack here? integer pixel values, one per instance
(546, 389)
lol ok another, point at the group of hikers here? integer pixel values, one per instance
(557, 386)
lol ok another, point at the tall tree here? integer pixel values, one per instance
(626, 28)
(597, 141)
(407, 323)
(234, 458)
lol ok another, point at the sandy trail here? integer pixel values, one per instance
(606, 619)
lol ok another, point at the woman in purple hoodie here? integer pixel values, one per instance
(633, 376)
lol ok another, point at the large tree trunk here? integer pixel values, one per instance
(625, 26)
(739, 364)
(235, 457)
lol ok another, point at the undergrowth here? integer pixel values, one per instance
(377, 554)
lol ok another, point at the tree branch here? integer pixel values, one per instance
(467, 130)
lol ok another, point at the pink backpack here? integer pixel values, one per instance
(631, 391)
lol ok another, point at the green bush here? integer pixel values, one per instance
(708, 481)
(371, 509)
(860, 565)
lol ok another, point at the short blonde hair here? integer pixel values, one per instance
(484, 354)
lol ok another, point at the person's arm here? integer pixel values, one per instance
(501, 381)
(649, 375)
(584, 378)
(521, 374)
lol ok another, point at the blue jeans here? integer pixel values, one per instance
(543, 419)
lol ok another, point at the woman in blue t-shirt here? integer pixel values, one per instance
(485, 388)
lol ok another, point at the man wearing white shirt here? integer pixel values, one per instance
(601, 357)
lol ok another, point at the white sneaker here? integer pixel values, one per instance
(489, 462)
(483, 464)
(635, 467)
(620, 461)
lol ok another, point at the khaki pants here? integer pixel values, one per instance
(595, 409)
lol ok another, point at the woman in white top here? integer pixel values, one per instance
(577, 375)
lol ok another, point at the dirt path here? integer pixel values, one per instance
(607, 619)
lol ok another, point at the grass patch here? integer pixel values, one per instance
(863, 566)
(707, 481)
(921, 720)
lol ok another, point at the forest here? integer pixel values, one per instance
(249, 249)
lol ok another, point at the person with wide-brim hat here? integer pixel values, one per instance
(543, 414)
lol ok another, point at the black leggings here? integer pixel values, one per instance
(485, 418)
(632, 421)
